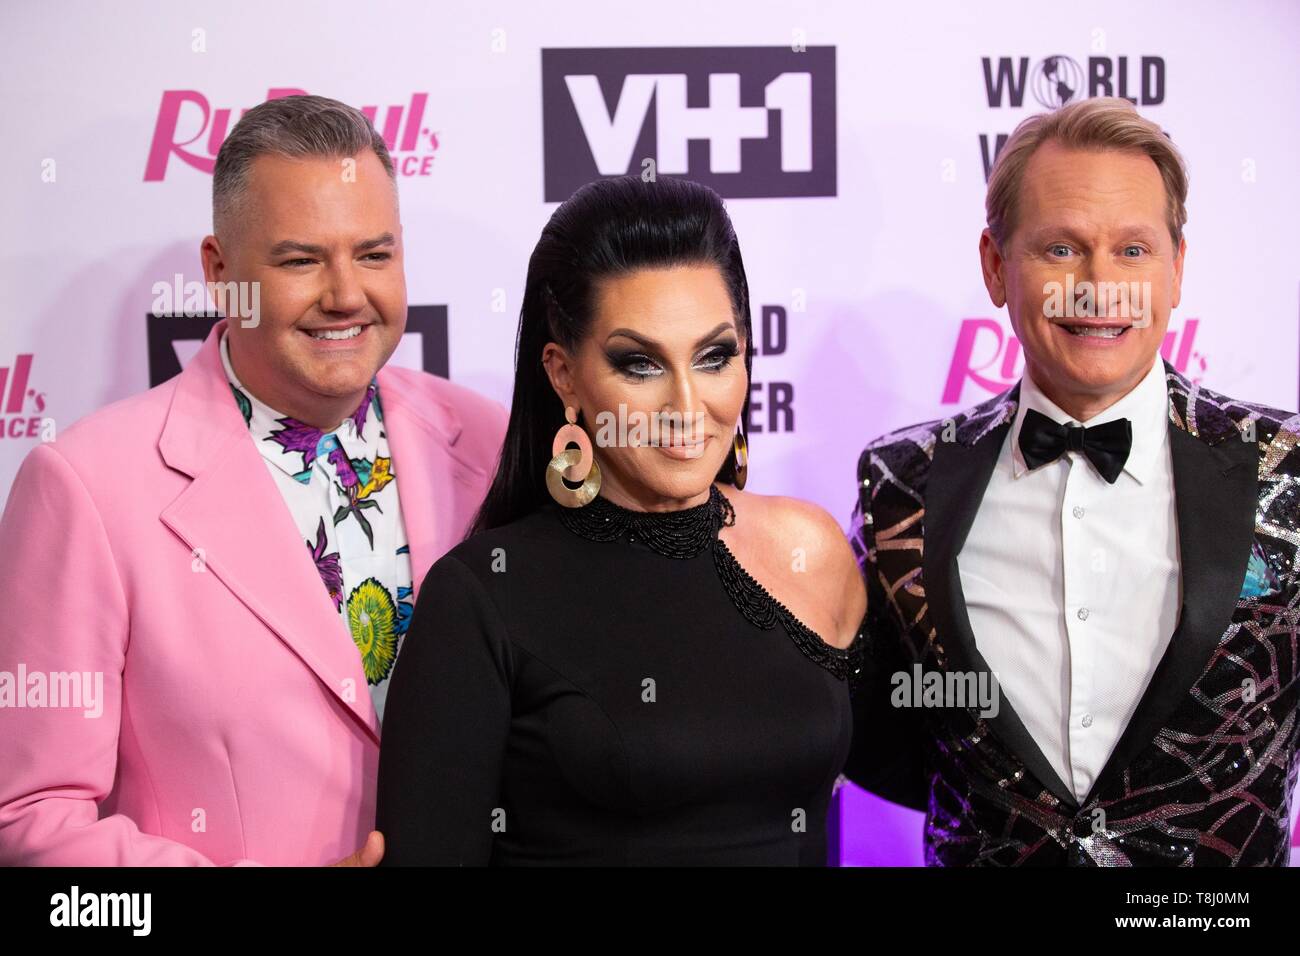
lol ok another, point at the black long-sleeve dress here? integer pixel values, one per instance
(606, 686)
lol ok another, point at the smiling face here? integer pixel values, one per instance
(325, 247)
(1090, 223)
(661, 341)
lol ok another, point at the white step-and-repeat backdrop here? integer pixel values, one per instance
(851, 140)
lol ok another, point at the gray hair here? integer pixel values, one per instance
(297, 127)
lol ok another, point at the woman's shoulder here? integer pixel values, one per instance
(783, 520)
(481, 572)
(487, 553)
(803, 551)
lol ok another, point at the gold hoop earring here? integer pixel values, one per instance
(740, 459)
(576, 464)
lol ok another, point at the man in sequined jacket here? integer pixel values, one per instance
(1107, 547)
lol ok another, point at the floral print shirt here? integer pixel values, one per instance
(341, 489)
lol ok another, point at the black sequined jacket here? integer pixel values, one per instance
(1203, 773)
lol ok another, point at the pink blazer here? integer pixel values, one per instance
(149, 545)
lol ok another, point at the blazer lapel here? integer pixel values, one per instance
(1216, 491)
(234, 517)
(959, 475)
(437, 490)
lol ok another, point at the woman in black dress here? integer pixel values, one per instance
(630, 660)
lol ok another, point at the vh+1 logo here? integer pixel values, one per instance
(747, 121)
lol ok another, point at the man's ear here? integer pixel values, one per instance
(214, 270)
(991, 262)
(1177, 291)
(559, 369)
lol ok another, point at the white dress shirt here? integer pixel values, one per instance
(1073, 585)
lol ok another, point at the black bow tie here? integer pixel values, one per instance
(1106, 445)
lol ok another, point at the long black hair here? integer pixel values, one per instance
(608, 228)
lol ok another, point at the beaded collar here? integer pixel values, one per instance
(689, 531)
(674, 534)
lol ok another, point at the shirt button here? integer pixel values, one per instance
(1087, 720)
(1083, 614)
(1078, 511)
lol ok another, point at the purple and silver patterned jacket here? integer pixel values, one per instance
(1205, 770)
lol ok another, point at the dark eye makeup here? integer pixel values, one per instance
(637, 364)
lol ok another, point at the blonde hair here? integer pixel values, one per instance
(1099, 123)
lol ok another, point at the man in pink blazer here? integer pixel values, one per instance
(187, 692)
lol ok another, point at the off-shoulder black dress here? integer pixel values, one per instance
(606, 686)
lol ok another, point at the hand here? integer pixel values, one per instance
(369, 855)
